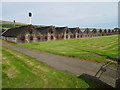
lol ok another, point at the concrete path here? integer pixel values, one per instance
(63, 63)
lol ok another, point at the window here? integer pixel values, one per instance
(23, 37)
(46, 37)
(57, 37)
(66, 36)
(81, 36)
(31, 37)
(30, 30)
(38, 37)
(67, 31)
(74, 36)
(51, 37)
(71, 36)
(51, 31)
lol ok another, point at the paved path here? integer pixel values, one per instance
(63, 63)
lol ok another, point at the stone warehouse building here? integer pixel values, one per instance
(30, 33)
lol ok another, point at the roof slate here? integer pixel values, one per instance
(13, 32)
(60, 29)
(44, 30)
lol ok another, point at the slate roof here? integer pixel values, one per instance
(45, 29)
(100, 30)
(109, 31)
(13, 32)
(74, 29)
(87, 30)
(105, 30)
(94, 30)
(61, 29)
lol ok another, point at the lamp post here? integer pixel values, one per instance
(14, 23)
(30, 18)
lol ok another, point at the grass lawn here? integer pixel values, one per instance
(21, 71)
(97, 49)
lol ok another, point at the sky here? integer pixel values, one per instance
(71, 14)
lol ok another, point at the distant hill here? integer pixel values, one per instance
(8, 24)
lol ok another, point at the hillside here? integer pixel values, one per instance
(97, 49)
(8, 24)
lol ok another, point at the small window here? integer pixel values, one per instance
(38, 37)
(66, 36)
(74, 36)
(31, 38)
(23, 38)
(30, 30)
(71, 36)
(57, 37)
(67, 31)
(46, 37)
(81, 36)
(51, 31)
(51, 37)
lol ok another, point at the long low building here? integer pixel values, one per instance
(30, 33)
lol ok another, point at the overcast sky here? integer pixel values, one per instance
(71, 14)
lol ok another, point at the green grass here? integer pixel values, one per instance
(21, 71)
(97, 49)
(8, 24)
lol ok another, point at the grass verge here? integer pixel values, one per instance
(97, 49)
(21, 71)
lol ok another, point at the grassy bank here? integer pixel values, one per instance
(21, 71)
(8, 24)
(98, 49)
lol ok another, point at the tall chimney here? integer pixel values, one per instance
(30, 18)
(14, 23)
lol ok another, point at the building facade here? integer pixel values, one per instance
(30, 33)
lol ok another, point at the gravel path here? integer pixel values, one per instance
(63, 63)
